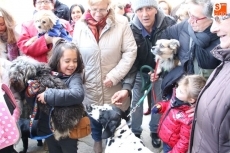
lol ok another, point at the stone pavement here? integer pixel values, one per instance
(85, 145)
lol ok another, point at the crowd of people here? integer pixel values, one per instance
(102, 64)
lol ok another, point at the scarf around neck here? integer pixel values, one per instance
(202, 39)
(95, 26)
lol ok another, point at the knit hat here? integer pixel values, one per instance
(136, 4)
(34, 2)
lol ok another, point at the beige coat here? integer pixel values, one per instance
(112, 57)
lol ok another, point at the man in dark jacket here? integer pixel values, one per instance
(61, 10)
(147, 25)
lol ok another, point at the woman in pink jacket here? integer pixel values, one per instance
(40, 48)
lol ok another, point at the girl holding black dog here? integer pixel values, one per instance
(67, 64)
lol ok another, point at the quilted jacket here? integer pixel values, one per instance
(210, 131)
(175, 125)
(111, 57)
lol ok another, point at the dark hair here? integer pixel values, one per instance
(71, 9)
(34, 2)
(57, 52)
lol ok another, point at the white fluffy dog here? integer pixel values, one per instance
(120, 139)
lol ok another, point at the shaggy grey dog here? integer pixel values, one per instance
(63, 118)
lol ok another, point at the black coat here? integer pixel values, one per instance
(61, 10)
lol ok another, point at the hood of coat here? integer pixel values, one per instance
(221, 54)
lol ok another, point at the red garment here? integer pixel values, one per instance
(175, 126)
(95, 26)
(39, 49)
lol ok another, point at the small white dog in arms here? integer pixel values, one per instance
(120, 139)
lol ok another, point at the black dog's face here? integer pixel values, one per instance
(108, 116)
(23, 69)
(19, 74)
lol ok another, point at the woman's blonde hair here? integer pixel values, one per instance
(193, 85)
(92, 2)
(10, 25)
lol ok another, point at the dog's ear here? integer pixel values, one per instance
(174, 44)
(110, 121)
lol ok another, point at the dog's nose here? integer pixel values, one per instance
(39, 27)
(89, 108)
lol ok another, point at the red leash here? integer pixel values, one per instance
(155, 74)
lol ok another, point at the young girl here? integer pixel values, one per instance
(16, 111)
(66, 60)
(174, 127)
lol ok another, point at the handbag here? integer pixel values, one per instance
(9, 134)
(81, 129)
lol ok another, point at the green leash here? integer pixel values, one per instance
(146, 85)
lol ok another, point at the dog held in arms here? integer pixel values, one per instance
(165, 52)
(46, 21)
(119, 137)
(25, 68)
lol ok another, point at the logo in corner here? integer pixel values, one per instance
(220, 9)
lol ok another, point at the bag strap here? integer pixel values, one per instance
(9, 93)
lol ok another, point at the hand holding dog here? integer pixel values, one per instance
(156, 108)
(41, 97)
(119, 97)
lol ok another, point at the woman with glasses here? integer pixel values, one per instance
(108, 50)
(196, 42)
(43, 45)
(210, 130)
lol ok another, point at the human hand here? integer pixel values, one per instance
(41, 98)
(33, 88)
(119, 97)
(51, 40)
(190, 112)
(153, 77)
(156, 108)
(107, 83)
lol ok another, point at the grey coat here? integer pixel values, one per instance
(211, 126)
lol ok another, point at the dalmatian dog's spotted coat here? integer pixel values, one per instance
(120, 139)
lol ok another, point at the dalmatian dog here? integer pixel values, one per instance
(120, 139)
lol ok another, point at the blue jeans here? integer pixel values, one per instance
(166, 148)
(96, 129)
(137, 116)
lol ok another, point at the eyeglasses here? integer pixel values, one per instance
(45, 2)
(220, 18)
(192, 17)
(101, 11)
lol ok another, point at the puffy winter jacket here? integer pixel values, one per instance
(111, 57)
(175, 125)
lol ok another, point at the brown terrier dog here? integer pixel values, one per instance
(165, 52)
